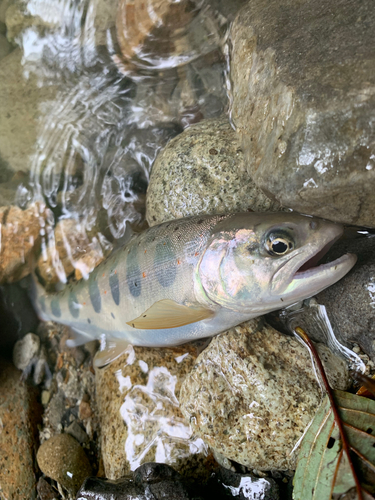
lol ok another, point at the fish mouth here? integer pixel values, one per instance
(310, 270)
(307, 276)
(311, 263)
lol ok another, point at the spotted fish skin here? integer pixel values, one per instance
(222, 263)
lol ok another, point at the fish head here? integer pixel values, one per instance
(257, 263)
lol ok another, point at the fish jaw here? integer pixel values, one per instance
(313, 281)
(302, 284)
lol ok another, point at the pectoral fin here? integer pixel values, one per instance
(168, 314)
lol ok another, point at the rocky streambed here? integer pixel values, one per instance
(130, 113)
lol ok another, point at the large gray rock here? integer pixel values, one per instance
(304, 103)
(202, 170)
(252, 393)
(350, 302)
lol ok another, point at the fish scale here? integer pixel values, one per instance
(198, 276)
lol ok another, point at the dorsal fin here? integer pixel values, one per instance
(168, 314)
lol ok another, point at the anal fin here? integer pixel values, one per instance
(113, 349)
(168, 314)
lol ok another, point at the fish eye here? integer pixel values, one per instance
(279, 246)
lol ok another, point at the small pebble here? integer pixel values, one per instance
(25, 349)
(46, 395)
(45, 490)
(77, 432)
(63, 459)
(84, 410)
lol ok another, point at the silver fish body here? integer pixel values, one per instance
(215, 271)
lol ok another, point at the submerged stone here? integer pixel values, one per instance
(304, 103)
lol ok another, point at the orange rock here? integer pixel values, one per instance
(20, 232)
(19, 417)
(70, 249)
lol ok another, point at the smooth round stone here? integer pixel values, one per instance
(202, 170)
(63, 459)
(25, 349)
(303, 85)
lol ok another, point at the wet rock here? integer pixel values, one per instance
(21, 101)
(63, 459)
(202, 171)
(25, 350)
(350, 303)
(20, 232)
(251, 394)
(303, 104)
(140, 419)
(163, 34)
(19, 417)
(71, 249)
(242, 486)
(5, 47)
(150, 481)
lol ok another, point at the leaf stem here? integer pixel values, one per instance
(345, 443)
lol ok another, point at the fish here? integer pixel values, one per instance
(192, 278)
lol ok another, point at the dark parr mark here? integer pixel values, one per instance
(115, 288)
(94, 292)
(165, 263)
(88, 320)
(133, 273)
(55, 307)
(73, 305)
(113, 316)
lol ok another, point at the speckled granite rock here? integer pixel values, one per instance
(139, 413)
(19, 417)
(20, 232)
(63, 459)
(304, 103)
(202, 171)
(251, 394)
(21, 101)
